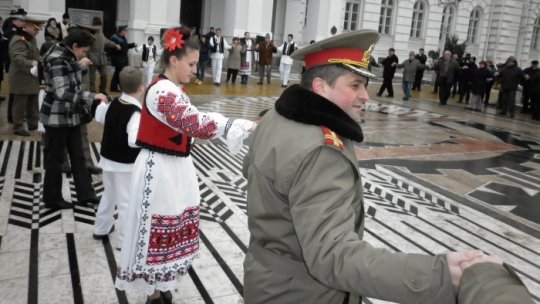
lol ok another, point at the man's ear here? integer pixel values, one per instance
(318, 86)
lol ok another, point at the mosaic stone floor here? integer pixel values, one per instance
(436, 180)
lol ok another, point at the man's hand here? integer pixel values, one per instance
(34, 62)
(102, 98)
(456, 260)
(482, 259)
(85, 62)
(118, 47)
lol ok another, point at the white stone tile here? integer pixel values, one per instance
(215, 280)
(14, 264)
(16, 239)
(55, 289)
(14, 291)
(98, 288)
(49, 241)
(230, 299)
(53, 262)
(92, 261)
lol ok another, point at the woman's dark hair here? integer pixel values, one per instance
(189, 43)
(49, 22)
(81, 37)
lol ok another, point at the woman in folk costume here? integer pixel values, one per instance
(162, 222)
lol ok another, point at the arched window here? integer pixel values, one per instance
(536, 35)
(418, 17)
(385, 19)
(474, 25)
(352, 13)
(446, 23)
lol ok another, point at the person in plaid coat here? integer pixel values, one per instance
(65, 108)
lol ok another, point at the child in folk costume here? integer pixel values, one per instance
(163, 213)
(121, 120)
(150, 54)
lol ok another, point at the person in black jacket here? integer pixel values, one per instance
(417, 85)
(526, 96)
(509, 77)
(389, 69)
(119, 58)
(204, 58)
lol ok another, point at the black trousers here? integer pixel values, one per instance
(57, 139)
(417, 85)
(508, 101)
(387, 84)
(115, 81)
(444, 92)
(535, 104)
(232, 72)
(526, 100)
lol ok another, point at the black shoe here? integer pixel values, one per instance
(378, 94)
(22, 133)
(102, 236)
(2, 98)
(405, 99)
(283, 85)
(90, 202)
(66, 169)
(166, 296)
(389, 96)
(94, 170)
(62, 204)
(155, 301)
(259, 82)
(501, 113)
(216, 84)
(32, 128)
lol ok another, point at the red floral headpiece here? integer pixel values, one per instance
(173, 40)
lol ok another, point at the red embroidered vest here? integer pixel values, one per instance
(154, 135)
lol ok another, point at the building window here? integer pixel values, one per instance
(419, 14)
(536, 35)
(385, 19)
(446, 23)
(352, 12)
(474, 24)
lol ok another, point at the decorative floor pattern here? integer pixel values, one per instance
(422, 203)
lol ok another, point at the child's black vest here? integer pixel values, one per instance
(114, 143)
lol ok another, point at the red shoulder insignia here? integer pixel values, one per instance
(331, 138)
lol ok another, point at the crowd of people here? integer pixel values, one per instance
(305, 194)
(470, 81)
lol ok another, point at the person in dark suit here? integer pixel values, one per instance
(420, 72)
(389, 69)
(447, 69)
(119, 58)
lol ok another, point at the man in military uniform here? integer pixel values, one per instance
(24, 86)
(13, 23)
(305, 199)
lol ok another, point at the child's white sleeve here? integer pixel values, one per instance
(101, 111)
(133, 128)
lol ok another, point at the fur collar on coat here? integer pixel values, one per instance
(304, 106)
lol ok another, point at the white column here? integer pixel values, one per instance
(238, 16)
(147, 18)
(294, 19)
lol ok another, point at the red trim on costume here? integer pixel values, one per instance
(157, 136)
(325, 56)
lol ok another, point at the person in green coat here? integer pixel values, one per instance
(24, 55)
(305, 199)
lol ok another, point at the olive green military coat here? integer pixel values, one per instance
(306, 216)
(22, 51)
(489, 283)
